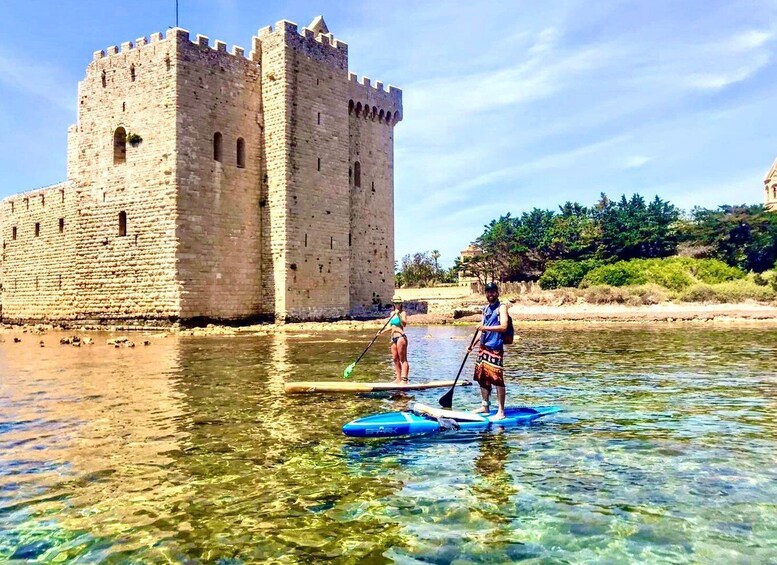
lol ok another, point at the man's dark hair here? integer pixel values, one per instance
(492, 287)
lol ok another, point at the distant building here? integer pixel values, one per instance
(467, 253)
(212, 184)
(770, 188)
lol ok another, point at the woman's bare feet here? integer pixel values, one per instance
(500, 415)
(484, 409)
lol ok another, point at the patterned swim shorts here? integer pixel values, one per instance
(489, 368)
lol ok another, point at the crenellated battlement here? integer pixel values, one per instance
(177, 34)
(314, 41)
(372, 101)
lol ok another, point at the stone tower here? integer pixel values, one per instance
(207, 185)
(770, 188)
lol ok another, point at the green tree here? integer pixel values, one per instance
(742, 236)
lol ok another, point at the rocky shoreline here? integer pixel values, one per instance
(460, 314)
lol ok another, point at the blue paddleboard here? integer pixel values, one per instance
(413, 423)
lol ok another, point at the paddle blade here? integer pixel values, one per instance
(348, 370)
(446, 400)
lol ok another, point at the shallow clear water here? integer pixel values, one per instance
(188, 451)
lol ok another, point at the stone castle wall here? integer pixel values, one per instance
(313, 76)
(118, 275)
(219, 221)
(40, 225)
(284, 232)
(372, 114)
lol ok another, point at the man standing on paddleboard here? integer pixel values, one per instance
(489, 368)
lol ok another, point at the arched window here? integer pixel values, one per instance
(119, 146)
(381, 115)
(357, 174)
(132, 73)
(388, 118)
(217, 146)
(241, 152)
(122, 223)
(350, 106)
(374, 112)
(358, 108)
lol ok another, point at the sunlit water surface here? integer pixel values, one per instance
(188, 451)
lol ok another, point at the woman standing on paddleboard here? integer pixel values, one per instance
(396, 325)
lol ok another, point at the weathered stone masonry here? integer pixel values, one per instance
(207, 184)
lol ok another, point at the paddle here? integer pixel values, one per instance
(446, 400)
(349, 369)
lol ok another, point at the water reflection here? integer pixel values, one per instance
(187, 450)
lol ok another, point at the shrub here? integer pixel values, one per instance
(698, 293)
(759, 279)
(649, 294)
(603, 294)
(674, 273)
(621, 273)
(739, 291)
(774, 281)
(566, 273)
(731, 291)
(712, 271)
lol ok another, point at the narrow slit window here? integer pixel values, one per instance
(119, 146)
(122, 223)
(318, 164)
(306, 240)
(357, 174)
(60, 282)
(62, 225)
(241, 153)
(104, 79)
(349, 240)
(331, 242)
(319, 118)
(43, 200)
(13, 233)
(132, 73)
(37, 229)
(217, 140)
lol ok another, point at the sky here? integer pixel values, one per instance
(507, 105)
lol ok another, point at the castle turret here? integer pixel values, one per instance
(770, 188)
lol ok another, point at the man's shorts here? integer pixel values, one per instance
(489, 368)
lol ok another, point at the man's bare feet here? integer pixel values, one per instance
(500, 415)
(482, 410)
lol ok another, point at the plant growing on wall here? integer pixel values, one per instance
(134, 139)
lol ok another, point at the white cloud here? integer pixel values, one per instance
(636, 161)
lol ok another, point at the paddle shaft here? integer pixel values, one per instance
(373, 341)
(446, 400)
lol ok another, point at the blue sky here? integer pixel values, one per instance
(507, 105)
